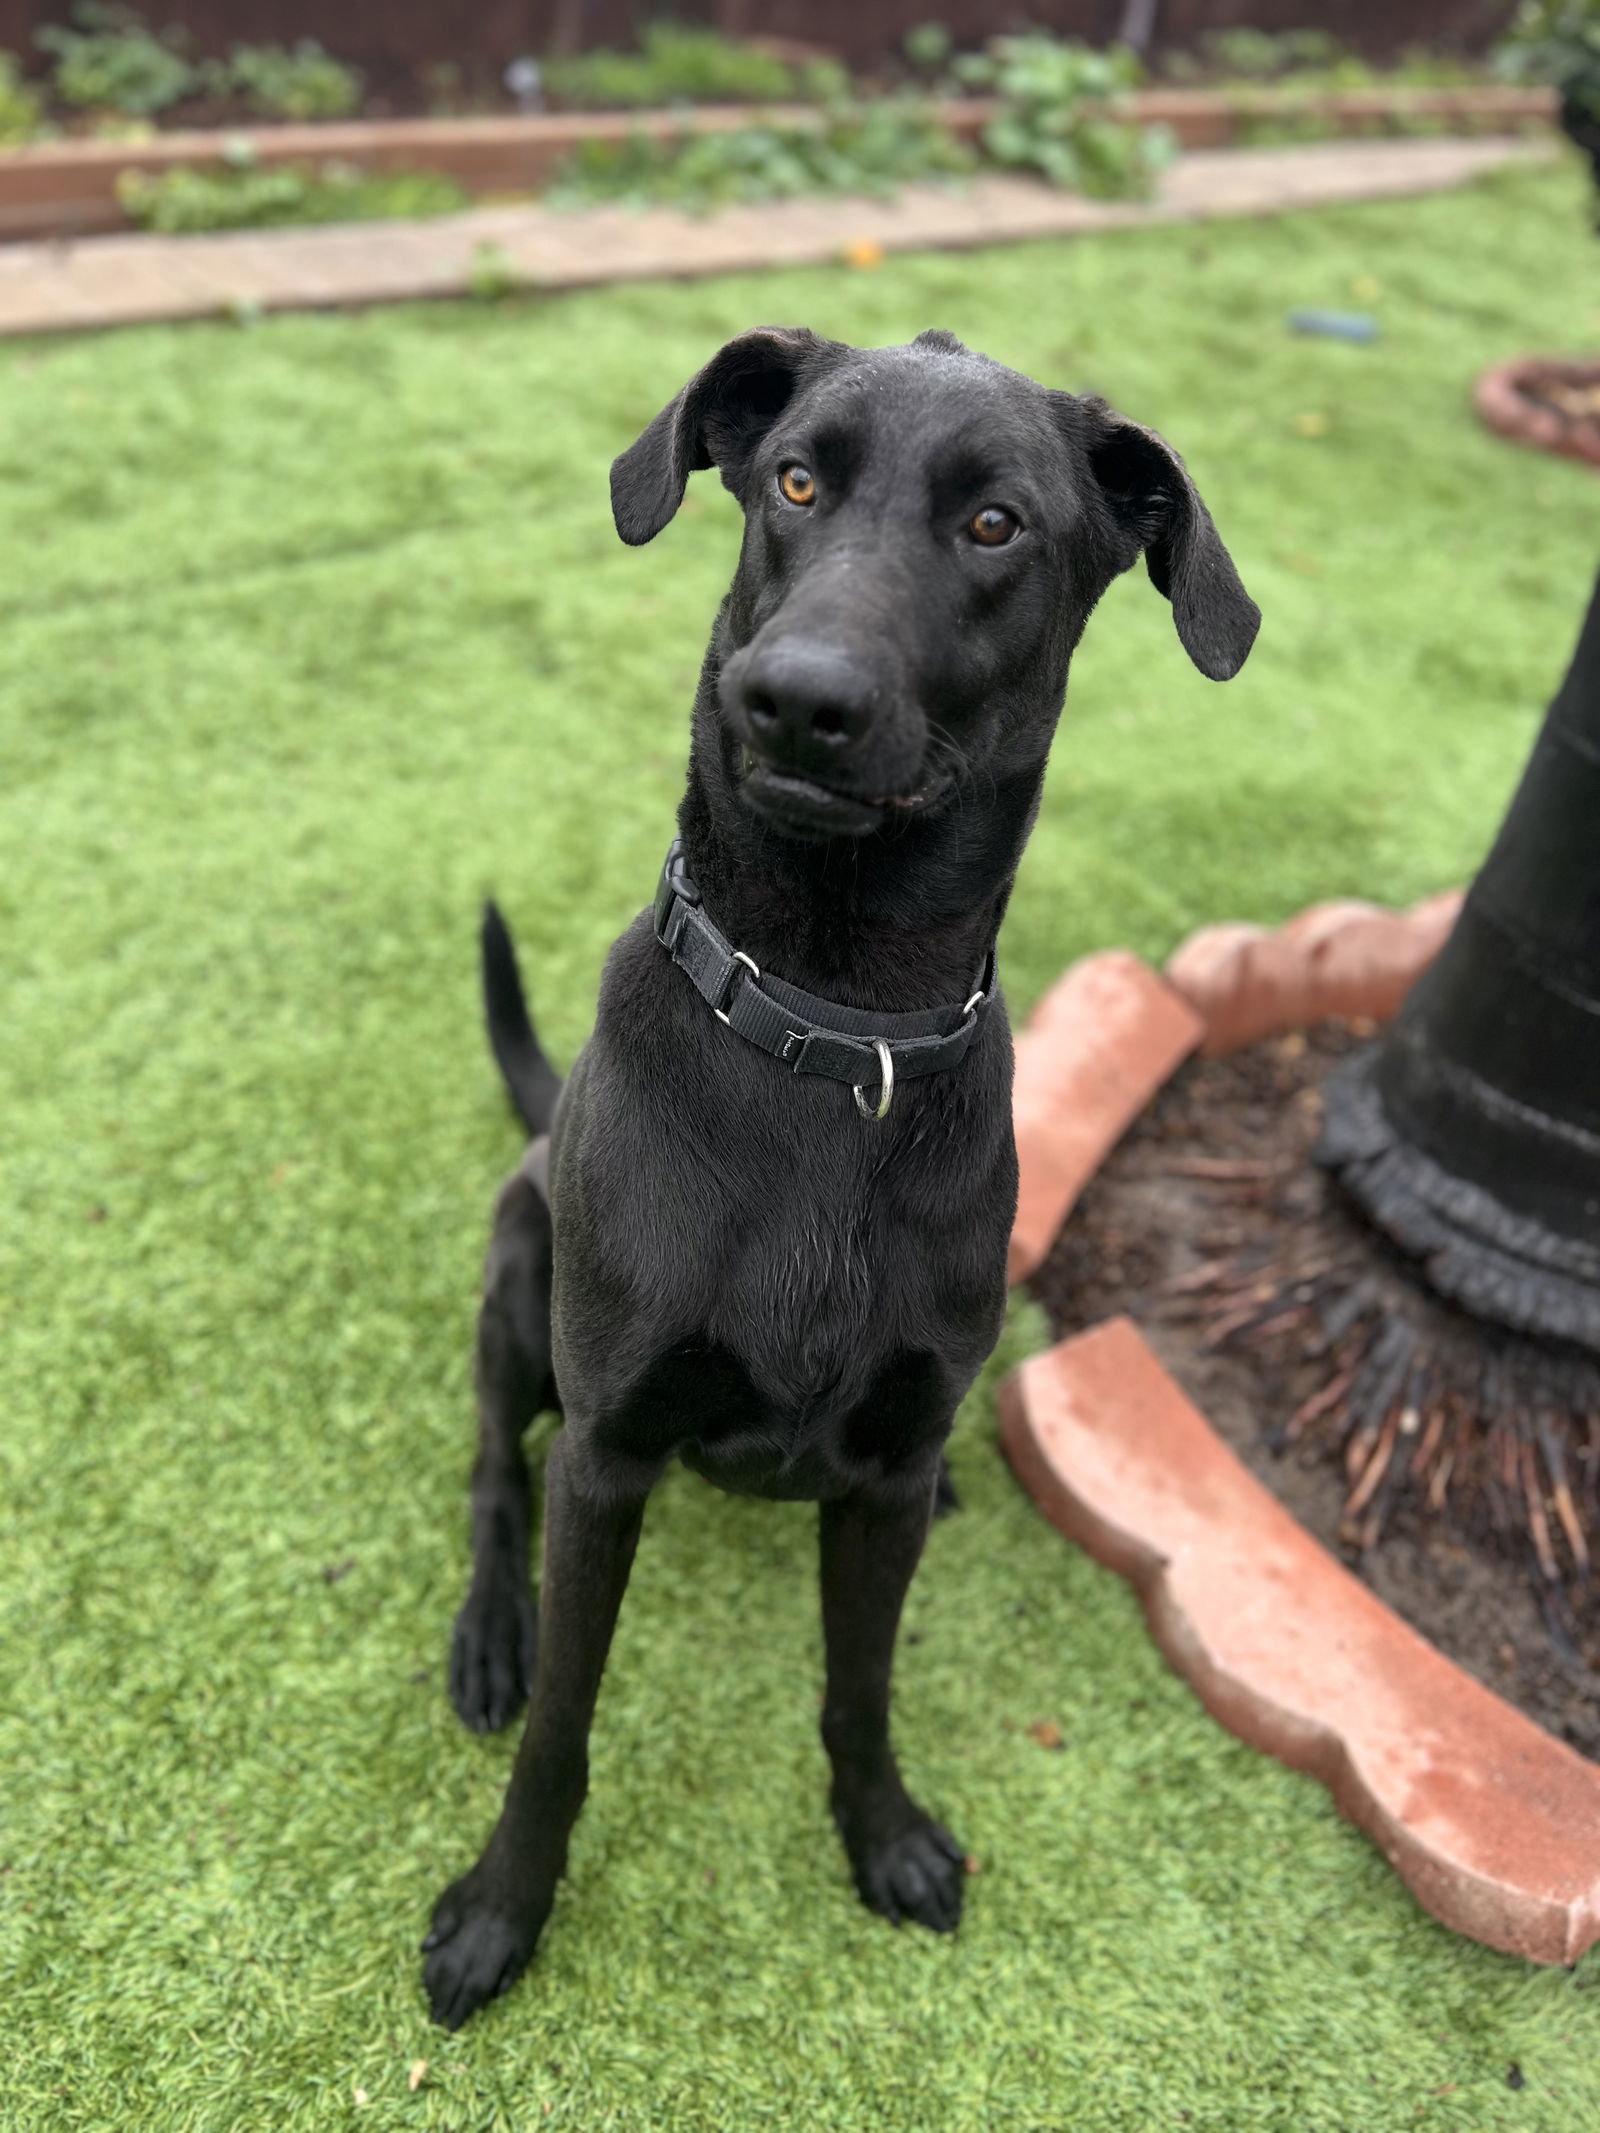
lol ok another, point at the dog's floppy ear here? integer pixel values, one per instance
(716, 421)
(1157, 508)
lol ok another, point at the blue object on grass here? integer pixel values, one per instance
(1335, 325)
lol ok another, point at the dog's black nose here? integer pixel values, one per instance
(808, 704)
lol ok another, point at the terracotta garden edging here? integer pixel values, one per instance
(1504, 406)
(69, 188)
(1109, 1033)
(1347, 958)
(1096, 1049)
(1492, 1823)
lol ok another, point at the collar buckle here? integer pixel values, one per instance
(674, 887)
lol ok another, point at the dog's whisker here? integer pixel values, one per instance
(947, 754)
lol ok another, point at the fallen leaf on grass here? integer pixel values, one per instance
(1046, 1733)
(417, 2075)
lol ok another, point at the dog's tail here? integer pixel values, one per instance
(531, 1081)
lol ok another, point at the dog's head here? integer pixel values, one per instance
(926, 533)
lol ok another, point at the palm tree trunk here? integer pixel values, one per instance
(1470, 1133)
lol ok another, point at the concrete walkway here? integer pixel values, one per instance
(115, 281)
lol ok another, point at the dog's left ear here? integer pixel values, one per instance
(1157, 509)
(716, 421)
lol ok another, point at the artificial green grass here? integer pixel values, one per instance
(310, 634)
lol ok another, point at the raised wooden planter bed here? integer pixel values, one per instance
(69, 188)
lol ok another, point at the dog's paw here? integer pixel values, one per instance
(493, 1653)
(474, 1951)
(919, 1874)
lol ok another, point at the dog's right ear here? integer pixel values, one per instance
(716, 421)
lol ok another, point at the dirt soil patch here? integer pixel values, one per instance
(1220, 1165)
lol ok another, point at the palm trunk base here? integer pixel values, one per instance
(1470, 1133)
(1501, 1266)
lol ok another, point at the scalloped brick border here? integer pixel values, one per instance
(1352, 959)
(1096, 1049)
(1492, 1823)
(1109, 1033)
(1505, 408)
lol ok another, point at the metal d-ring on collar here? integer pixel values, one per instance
(739, 956)
(885, 1054)
(871, 1052)
(886, 1084)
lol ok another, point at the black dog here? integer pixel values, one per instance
(768, 1232)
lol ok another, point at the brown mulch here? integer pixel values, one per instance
(1218, 1169)
(1550, 402)
(1575, 397)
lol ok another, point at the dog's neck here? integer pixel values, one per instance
(899, 920)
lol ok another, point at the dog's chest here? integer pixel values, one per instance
(823, 1447)
(814, 1327)
(812, 1288)
(749, 1272)
(855, 1328)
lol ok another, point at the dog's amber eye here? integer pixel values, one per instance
(992, 527)
(799, 484)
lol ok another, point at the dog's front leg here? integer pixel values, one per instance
(905, 1864)
(486, 1925)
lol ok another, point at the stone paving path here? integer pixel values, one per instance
(115, 281)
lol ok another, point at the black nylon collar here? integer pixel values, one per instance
(810, 1035)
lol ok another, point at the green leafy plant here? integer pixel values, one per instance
(112, 62)
(250, 195)
(20, 114)
(452, 93)
(1263, 55)
(492, 275)
(676, 65)
(854, 148)
(1311, 60)
(1278, 84)
(299, 81)
(1556, 41)
(928, 47)
(1062, 113)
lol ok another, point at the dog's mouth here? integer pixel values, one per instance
(802, 807)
